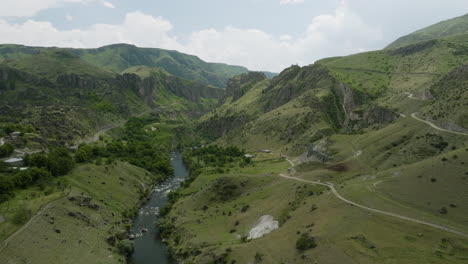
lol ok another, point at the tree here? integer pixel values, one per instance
(22, 216)
(125, 247)
(6, 188)
(37, 160)
(60, 162)
(23, 179)
(39, 175)
(6, 150)
(84, 154)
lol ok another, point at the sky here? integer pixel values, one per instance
(265, 35)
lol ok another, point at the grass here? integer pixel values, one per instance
(52, 63)
(344, 234)
(115, 188)
(389, 168)
(448, 28)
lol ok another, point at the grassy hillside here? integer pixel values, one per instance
(291, 111)
(451, 27)
(449, 108)
(119, 57)
(336, 95)
(206, 226)
(66, 231)
(347, 122)
(411, 68)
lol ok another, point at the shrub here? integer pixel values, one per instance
(443, 210)
(6, 150)
(258, 257)
(125, 247)
(305, 242)
(21, 216)
(84, 154)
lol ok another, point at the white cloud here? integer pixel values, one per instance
(291, 2)
(108, 4)
(137, 28)
(28, 8)
(68, 17)
(340, 33)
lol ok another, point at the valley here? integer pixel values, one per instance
(123, 154)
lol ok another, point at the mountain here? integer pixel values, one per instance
(356, 159)
(117, 58)
(64, 98)
(451, 27)
(336, 95)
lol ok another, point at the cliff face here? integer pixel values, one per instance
(298, 107)
(147, 87)
(76, 81)
(74, 105)
(191, 91)
(219, 126)
(9, 76)
(241, 84)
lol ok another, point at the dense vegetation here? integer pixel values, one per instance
(202, 158)
(6, 150)
(134, 145)
(214, 156)
(42, 167)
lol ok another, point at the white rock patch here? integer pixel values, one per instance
(265, 225)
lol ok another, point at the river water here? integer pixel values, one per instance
(149, 248)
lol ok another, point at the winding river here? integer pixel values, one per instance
(149, 248)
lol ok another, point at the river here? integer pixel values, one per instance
(149, 248)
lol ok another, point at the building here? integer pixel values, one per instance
(14, 162)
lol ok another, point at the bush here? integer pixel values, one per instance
(258, 257)
(37, 160)
(6, 188)
(60, 162)
(84, 154)
(305, 242)
(6, 150)
(22, 216)
(125, 247)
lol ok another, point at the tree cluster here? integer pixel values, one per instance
(42, 168)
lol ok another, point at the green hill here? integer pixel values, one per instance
(117, 58)
(347, 122)
(451, 27)
(449, 108)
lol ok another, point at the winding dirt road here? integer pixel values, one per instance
(413, 115)
(332, 188)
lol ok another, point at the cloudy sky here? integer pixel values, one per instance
(259, 34)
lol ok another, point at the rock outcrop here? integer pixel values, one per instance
(241, 84)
